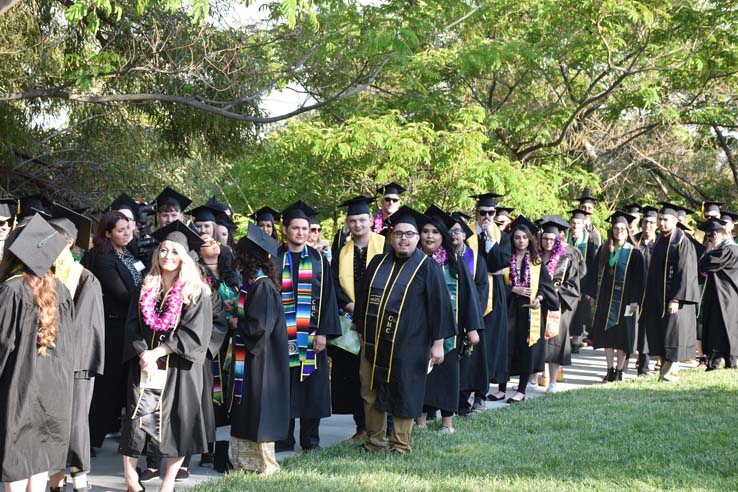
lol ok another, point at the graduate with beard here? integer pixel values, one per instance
(672, 294)
(443, 383)
(582, 239)
(720, 298)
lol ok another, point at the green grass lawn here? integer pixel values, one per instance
(632, 436)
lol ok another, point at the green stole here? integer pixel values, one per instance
(384, 309)
(620, 273)
(582, 244)
(453, 291)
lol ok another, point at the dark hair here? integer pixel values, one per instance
(452, 260)
(607, 247)
(532, 243)
(102, 243)
(250, 263)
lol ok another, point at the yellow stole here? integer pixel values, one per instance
(534, 334)
(473, 243)
(68, 271)
(346, 262)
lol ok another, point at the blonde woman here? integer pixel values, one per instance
(167, 334)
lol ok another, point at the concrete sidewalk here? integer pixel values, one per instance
(587, 368)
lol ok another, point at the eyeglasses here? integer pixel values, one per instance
(393, 200)
(5, 222)
(456, 232)
(488, 213)
(315, 229)
(401, 234)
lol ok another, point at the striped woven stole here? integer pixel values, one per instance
(297, 312)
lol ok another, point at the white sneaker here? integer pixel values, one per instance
(447, 430)
(552, 388)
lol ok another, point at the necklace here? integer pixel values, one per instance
(167, 319)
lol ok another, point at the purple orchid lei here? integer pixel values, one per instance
(556, 254)
(515, 281)
(166, 320)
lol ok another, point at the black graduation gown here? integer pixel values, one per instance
(720, 301)
(35, 391)
(90, 321)
(496, 331)
(426, 316)
(214, 414)
(566, 278)
(182, 423)
(443, 383)
(311, 398)
(582, 319)
(473, 369)
(672, 336)
(525, 359)
(264, 412)
(622, 336)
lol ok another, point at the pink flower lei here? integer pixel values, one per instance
(515, 281)
(556, 254)
(168, 318)
(441, 256)
(378, 221)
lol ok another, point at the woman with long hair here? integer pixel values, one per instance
(260, 413)
(119, 273)
(621, 279)
(443, 384)
(529, 289)
(167, 334)
(37, 359)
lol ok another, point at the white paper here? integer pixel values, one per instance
(628, 311)
(139, 266)
(156, 381)
(430, 367)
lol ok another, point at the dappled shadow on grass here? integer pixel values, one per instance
(635, 435)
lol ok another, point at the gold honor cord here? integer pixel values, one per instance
(366, 312)
(473, 243)
(534, 333)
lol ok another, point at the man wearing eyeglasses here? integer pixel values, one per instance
(391, 203)
(7, 216)
(403, 313)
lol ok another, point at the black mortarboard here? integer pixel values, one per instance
(32, 204)
(391, 189)
(258, 243)
(587, 196)
(649, 211)
(669, 209)
(358, 205)
(37, 245)
(203, 214)
(728, 215)
(684, 211)
(178, 232)
(439, 218)
(266, 214)
(621, 218)
(221, 218)
(125, 201)
(711, 206)
(298, 210)
(504, 211)
(407, 215)
(62, 216)
(685, 227)
(170, 197)
(217, 205)
(523, 221)
(553, 224)
(486, 199)
(578, 214)
(8, 207)
(712, 224)
(461, 218)
(633, 208)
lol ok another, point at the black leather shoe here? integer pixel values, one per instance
(148, 475)
(492, 397)
(510, 400)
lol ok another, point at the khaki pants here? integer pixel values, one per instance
(376, 420)
(254, 456)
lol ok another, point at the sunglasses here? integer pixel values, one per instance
(393, 200)
(315, 229)
(5, 222)
(488, 213)
(456, 232)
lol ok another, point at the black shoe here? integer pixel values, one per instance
(281, 448)
(206, 460)
(575, 349)
(148, 475)
(610, 376)
(313, 448)
(464, 412)
(510, 400)
(221, 462)
(492, 397)
(618, 375)
(182, 475)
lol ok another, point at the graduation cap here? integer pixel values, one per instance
(649, 211)
(124, 201)
(221, 218)
(523, 221)
(668, 208)
(178, 232)
(587, 197)
(266, 214)
(633, 208)
(298, 210)
(503, 211)
(407, 215)
(553, 224)
(170, 197)
(486, 199)
(37, 245)
(578, 213)
(32, 204)
(8, 207)
(711, 206)
(461, 218)
(217, 205)
(203, 214)
(391, 189)
(358, 205)
(685, 227)
(712, 224)
(258, 243)
(75, 225)
(728, 215)
(621, 218)
(439, 218)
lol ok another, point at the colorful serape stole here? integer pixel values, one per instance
(226, 294)
(238, 367)
(297, 312)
